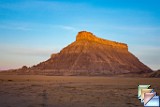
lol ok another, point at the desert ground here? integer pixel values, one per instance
(71, 91)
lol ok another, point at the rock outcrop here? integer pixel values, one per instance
(83, 35)
(155, 74)
(90, 55)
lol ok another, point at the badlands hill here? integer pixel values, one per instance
(155, 74)
(90, 55)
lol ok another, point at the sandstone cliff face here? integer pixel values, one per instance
(83, 35)
(90, 55)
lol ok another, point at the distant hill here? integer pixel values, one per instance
(155, 74)
(90, 55)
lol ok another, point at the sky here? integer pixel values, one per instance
(31, 30)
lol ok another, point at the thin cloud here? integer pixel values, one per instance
(48, 5)
(28, 51)
(70, 28)
(134, 28)
(16, 57)
(14, 27)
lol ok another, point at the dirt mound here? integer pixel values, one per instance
(155, 74)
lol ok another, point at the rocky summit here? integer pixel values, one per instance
(90, 55)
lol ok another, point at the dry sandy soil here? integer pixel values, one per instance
(71, 91)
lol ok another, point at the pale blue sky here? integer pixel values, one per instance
(31, 30)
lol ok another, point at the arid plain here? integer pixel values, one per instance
(71, 91)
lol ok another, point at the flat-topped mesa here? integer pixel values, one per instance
(84, 35)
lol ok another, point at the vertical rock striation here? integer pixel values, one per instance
(90, 55)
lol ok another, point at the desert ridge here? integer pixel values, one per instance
(90, 55)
